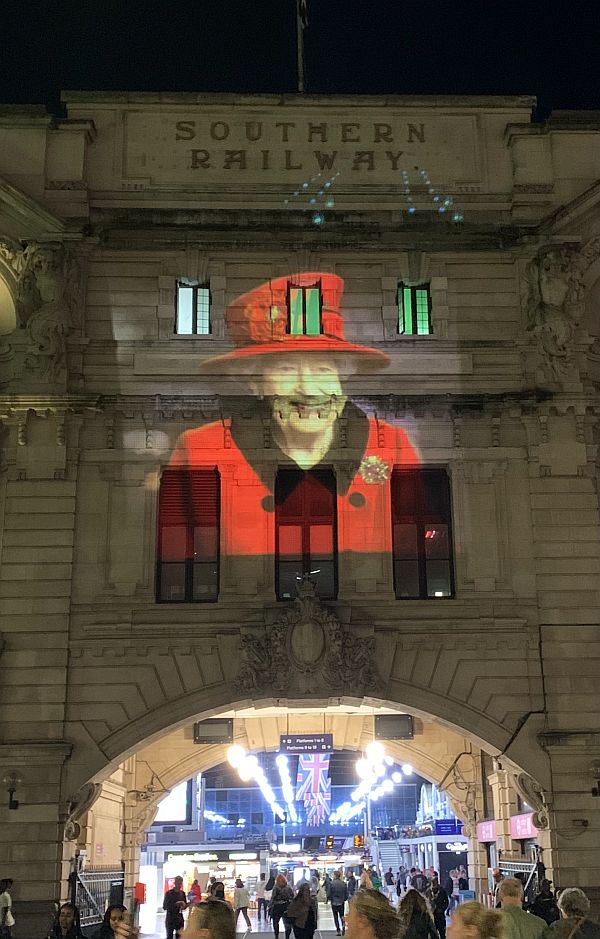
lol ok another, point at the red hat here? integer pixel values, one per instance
(258, 324)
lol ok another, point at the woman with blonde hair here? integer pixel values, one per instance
(473, 920)
(210, 919)
(371, 916)
(365, 882)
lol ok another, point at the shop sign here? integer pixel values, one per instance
(457, 846)
(306, 743)
(486, 831)
(446, 826)
(521, 827)
(242, 855)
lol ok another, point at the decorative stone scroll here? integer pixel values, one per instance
(78, 806)
(307, 651)
(47, 295)
(553, 296)
(534, 795)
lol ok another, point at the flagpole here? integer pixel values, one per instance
(301, 23)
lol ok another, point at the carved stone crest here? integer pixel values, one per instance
(553, 295)
(307, 650)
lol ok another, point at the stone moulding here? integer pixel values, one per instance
(307, 650)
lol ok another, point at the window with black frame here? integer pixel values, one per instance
(422, 534)
(192, 315)
(414, 310)
(305, 531)
(187, 569)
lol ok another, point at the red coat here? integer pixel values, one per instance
(247, 506)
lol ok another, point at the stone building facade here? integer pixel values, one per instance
(101, 215)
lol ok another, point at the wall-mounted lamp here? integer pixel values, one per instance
(595, 774)
(11, 781)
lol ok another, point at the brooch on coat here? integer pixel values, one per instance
(374, 470)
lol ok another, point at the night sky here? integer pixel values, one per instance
(548, 49)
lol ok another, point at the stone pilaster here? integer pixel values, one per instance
(31, 836)
(505, 805)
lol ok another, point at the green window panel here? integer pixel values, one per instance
(305, 311)
(414, 311)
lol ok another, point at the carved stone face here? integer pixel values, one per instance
(553, 279)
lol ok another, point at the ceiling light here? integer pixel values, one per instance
(375, 751)
(235, 755)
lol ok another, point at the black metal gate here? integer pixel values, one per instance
(94, 890)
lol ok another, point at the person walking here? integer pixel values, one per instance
(574, 923)
(66, 923)
(302, 913)
(390, 883)
(517, 923)
(281, 898)
(7, 920)
(544, 904)
(371, 916)
(439, 902)
(419, 881)
(261, 900)
(475, 921)
(174, 904)
(351, 884)
(194, 893)
(338, 895)
(415, 918)
(241, 901)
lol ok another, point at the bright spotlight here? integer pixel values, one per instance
(281, 759)
(407, 769)
(235, 755)
(375, 751)
(380, 770)
(397, 777)
(363, 768)
(387, 785)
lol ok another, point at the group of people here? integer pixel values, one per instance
(360, 911)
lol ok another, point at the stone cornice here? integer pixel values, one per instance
(111, 99)
(32, 219)
(40, 403)
(35, 753)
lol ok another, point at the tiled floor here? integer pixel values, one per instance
(326, 928)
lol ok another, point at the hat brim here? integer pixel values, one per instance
(370, 360)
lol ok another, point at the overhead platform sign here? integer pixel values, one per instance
(306, 743)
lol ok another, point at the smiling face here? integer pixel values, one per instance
(305, 390)
(116, 917)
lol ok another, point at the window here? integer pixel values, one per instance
(304, 306)
(422, 535)
(193, 310)
(188, 536)
(414, 310)
(305, 531)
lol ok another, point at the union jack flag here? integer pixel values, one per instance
(313, 775)
(318, 808)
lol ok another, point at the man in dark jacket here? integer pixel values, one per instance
(544, 904)
(338, 894)
(174, 904)
(439, 901)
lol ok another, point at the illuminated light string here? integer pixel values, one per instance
(372, 771)
(286, 785)
(318, 196)
(443, 204)
(249, 768)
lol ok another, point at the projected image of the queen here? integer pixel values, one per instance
(296, 474)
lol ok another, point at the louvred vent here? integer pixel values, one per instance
(189, 497)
